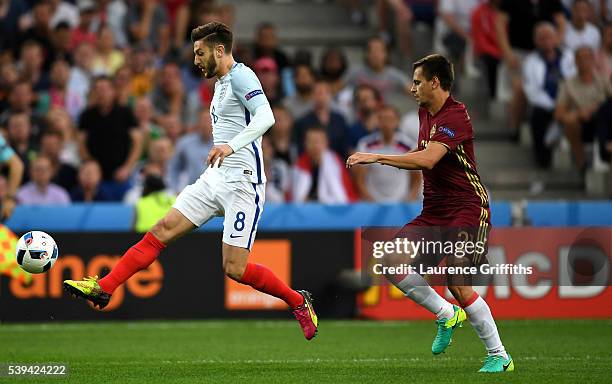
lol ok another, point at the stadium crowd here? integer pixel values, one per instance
(101, 102)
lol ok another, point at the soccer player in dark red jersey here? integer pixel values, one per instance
(454, 198)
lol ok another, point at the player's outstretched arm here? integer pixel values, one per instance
(425, 159)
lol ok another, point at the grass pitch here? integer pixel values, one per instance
(275, 352)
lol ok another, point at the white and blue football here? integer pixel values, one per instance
(36, 252)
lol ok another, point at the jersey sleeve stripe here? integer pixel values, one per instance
(439, 142)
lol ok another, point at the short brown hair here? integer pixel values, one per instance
(214, 33)
(438, 66)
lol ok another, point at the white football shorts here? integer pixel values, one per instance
(240, 202)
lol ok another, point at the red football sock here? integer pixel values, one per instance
(264, 280)
(471, 300)
(140, 256)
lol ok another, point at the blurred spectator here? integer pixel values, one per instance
(602, 10)
(63, 11)
(80, 79)
(169, 96)
(300, 103)
(107, 59)
(320, 174)
(323, 116)
(266, 45)
(381, 183)
(486, 43)
(333, 67)
(63, 174)
(113, 13)
(15, 174)
(377, 72)
(267, 72)
(8, 79)
(59, 121)
(580, 98)
(143, 73)
(406, 12)
(189, 159)
(153, 204)
(58, 94)
(603, 55)
(178, 17)
(148, 22)
(278, 174)
(40, 31)
(20, 101)
(109, 134)
(171, 127)
(13, 20)
(31, 66)
(580, 31)
(19, 137)
(41, 190)
(84, 32)
(62, 40)
(515, 30)
(160, 153)
(89, 184)
(543, 71)
(367, 100)
(281, 134)
(123, 86)
(453, 27)
(149, 130)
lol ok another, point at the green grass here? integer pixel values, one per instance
(556, 351)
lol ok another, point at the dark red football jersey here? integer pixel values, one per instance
(453, 186)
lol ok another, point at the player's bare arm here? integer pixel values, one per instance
(425, 159)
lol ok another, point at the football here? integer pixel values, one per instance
(36, 252)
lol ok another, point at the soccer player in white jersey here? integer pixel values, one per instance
(233, 185)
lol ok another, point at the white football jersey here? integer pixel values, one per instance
(237, 95)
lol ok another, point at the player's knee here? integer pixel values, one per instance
(233, 269)
(162, 230)
(461, 293)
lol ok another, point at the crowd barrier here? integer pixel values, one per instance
(103, 217)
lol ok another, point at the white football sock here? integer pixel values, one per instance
(479, 315)
(417, 289)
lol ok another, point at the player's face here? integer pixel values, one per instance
(204, 58)
(421, 88)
